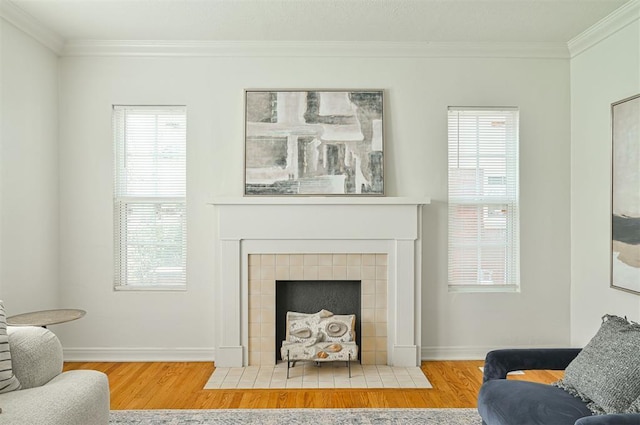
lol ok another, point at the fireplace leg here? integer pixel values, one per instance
(288, 364)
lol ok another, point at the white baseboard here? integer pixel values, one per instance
(139, 354)
(455, 353)
(208, 354)
(405, 355)
(468, 352)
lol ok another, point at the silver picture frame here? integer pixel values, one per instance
(625, 195)
(324, 142)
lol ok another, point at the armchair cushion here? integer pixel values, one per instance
(37, 355)
(606, 373)
(77, 397)
(510, 402)
(321, 326)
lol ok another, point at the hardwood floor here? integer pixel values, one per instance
(179, 385)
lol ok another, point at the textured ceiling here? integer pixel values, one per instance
(320, 20)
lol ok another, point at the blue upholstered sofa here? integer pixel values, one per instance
(511, 402)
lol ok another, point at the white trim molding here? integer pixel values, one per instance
(373, 225)
(454, 353)
(143, 354)
(612, 23)
(31, 26)
(606, 27)
(326, 200)
(467, 352)
(314, 49)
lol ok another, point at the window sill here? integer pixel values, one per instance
(484, 288)
(150, 288)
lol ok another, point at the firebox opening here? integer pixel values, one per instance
(311, 296)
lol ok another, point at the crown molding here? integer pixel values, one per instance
(313, 49)
(606, 27)
(31, 26)
(25, 22)
(619, 19)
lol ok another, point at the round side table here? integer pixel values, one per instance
(46, 317)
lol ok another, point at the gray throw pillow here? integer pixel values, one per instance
(606, 373)
(8, 381)
(635, 406)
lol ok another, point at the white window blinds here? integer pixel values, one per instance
(483, 235)
(150, 196)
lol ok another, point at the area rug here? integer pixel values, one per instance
(296, 416)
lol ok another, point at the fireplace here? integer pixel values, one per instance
(341, 297)
(382, 234)
(268, 273)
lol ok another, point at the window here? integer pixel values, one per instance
(150, 197)
(483, 199)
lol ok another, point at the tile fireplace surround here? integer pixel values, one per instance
(313, 230)
(266, 269)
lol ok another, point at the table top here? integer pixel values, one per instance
(45, 317)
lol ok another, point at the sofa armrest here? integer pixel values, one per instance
(36, 355)
(500, 362)
(620, 419)
(76, 397)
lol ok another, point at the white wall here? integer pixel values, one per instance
(28, 173)
(460, 324)
(417, 90)
(607, 72)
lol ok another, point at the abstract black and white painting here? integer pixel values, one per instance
(325, 142)
(625, 199)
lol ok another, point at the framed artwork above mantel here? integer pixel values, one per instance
(314, 143)
(625, 195)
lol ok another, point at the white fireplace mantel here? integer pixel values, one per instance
(316, 200)
(307, 225)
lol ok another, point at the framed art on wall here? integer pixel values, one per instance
(314, 142)
(625, 195)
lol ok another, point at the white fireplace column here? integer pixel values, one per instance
(311, 225)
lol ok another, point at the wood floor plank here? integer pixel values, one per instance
(179, 385)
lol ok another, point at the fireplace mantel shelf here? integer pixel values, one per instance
(329, 200)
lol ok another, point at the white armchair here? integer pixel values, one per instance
(319, 337)
(47, 395)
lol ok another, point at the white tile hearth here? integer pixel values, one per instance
(308, 375)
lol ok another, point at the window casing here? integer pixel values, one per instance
(483, 219)
(150, 197)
